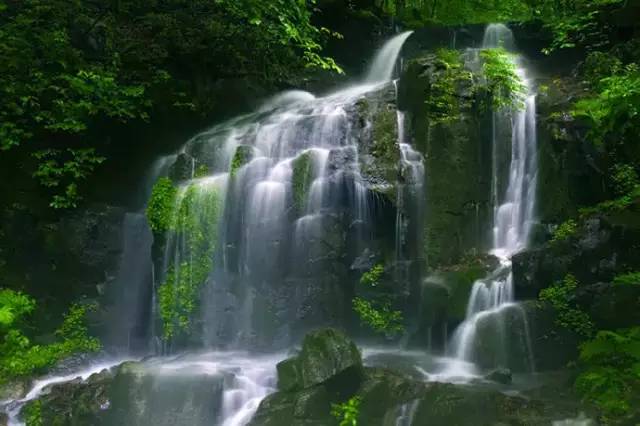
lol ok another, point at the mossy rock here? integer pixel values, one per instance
(301, 180)
(325, 354)
(243, 155)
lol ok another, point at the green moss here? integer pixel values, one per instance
(196, 224)
(161, 205)
(301, 180)
(385, 135)
(202, 171)
(242, 156)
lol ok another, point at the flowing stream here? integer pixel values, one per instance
(491, 303)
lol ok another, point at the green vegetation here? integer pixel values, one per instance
(377, 313)
(629, 278)
(347, 413)
(196, 215)
(565, 231)
(160, 210)
(32, 413)
(242, 156)
(443, 103)
(610, 375)
(372, 277)
(561, 296)
(69, 70)
(613, 111)
(455, 12)
(506, 87)
(301, 180)
(380, 317)
(202, 171)
(19, 357)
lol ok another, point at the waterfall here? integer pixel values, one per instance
(381, 69)
(492, 303)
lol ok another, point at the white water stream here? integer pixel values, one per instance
(492, 298)
(291, 127)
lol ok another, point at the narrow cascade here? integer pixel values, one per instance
(407, 413)
(492, 313)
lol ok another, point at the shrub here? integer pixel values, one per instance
(372, 277)
(630, 278)
(561, 296)
(19, 357)
(610, 375)
(564, 231)
(347, 412)
(380, 317)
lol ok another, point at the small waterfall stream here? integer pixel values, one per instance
(492, 298)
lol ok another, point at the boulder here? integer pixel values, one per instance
(326, 354)
(500, 375)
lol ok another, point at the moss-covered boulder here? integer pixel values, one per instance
(326, 354)
(136, 394)
(376, 129)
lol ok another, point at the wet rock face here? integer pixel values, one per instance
(603, 247)
(458, 157)
(385, 396)
(134, 394)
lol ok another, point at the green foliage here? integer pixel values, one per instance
(503, 81)
(629, 278)
(160, 210)
(372, 277)
(32, 413)
(561, 296)
(301, 180)
(443, 103)
(379, 316)
(13, 307)
(575, 23)
(610, 375)
(564, 231)
(613, 112)
(598, 65)
(19, 357)
(456, 12)
(64, 169)
(194, 219)
(69, 68)
(625, 178)
(347, 412)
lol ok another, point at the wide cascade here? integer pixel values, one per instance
(492, 315)
(265, 201)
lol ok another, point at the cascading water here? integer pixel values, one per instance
(491, 302)
(254, 210)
